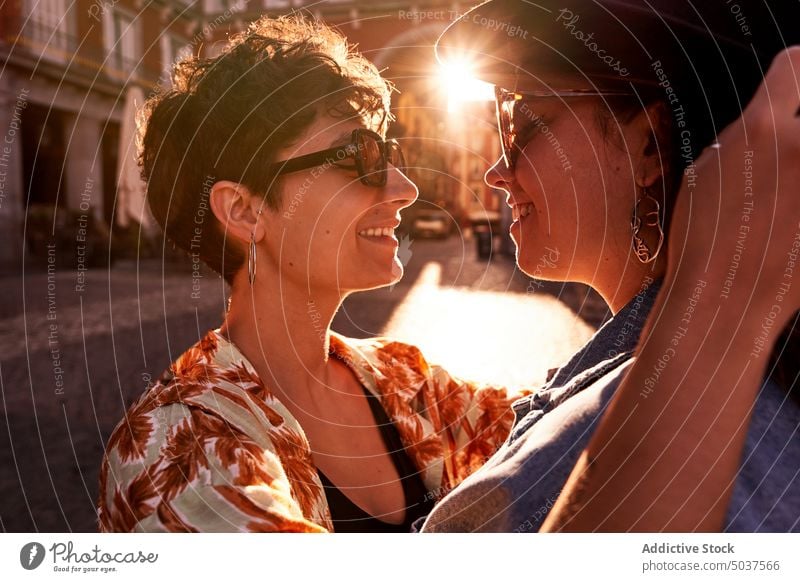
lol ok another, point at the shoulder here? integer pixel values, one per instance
(165, 464)
(208, 388)
(153, 454)
(205, 421)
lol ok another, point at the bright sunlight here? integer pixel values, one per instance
(461, 86)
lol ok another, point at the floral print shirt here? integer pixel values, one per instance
(209, 448)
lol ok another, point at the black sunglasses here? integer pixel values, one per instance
(507, 101)
(372, 155)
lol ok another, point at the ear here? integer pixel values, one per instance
(653, 124)
(237, 210)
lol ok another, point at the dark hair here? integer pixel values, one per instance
(784, 362)
(225, 118)
(665, 140)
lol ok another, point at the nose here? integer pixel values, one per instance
(499, 176)
(399, 188)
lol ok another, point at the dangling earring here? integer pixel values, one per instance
(251, 254)
(651, 219)
(251, 259)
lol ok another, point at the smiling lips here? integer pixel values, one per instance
(521, 210)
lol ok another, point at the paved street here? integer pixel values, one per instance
(73, 360)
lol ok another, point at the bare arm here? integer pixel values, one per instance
(667, 450)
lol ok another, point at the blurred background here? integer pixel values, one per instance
(95, 305)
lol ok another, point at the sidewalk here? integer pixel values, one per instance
(72, 361)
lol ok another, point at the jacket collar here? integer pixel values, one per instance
(226, 356)
(619, 336)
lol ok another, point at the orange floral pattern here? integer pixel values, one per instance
(209, 448)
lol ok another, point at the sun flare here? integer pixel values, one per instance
(460, 85)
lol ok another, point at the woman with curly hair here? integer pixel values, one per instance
(269, 163)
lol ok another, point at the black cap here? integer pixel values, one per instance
(708, 55)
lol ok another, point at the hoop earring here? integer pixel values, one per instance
(251, 260)
(652, 219)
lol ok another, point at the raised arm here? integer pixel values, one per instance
(667, 451)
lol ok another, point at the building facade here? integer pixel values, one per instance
(66, 69)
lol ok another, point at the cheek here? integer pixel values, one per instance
(305, 235)
(331, 234)
(556, 157)
(551, 191)
(574, 199)
(328, 243)
(587, 174)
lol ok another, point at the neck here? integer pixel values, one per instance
(619, 287)
(282, 327)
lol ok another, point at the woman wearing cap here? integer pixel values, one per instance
(687, 422)
(268, 162)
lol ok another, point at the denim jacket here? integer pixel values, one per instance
(515, 490)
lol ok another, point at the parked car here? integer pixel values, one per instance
(485, 227)
(433, 223)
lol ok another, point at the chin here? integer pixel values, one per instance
(377, 278)
(540, 261)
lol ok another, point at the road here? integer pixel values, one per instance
(73, 360)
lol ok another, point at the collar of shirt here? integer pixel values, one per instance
(612, 344)
(394, 372)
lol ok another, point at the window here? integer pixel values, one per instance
(121, 38)
(233, 6)
(49, 27)
(173, 49)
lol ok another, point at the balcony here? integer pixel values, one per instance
(56, 52)
(48, 41)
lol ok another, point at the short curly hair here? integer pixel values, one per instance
(226, 117)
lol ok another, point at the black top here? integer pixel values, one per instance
(349, 517)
